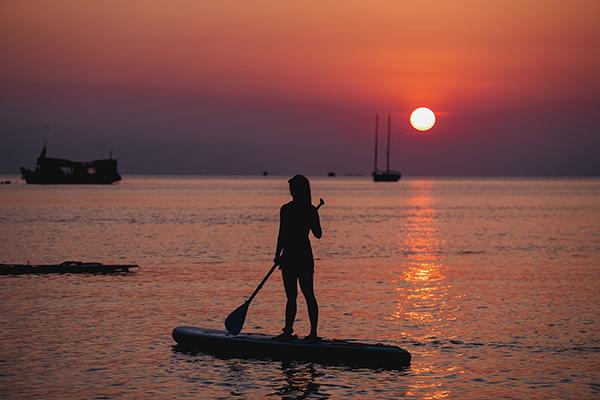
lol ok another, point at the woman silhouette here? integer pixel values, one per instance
(294, 254)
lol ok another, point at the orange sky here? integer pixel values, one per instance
(458, 57)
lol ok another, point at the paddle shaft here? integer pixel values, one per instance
(260, 285)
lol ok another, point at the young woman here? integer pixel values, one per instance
(294, 254)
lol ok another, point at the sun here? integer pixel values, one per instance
(422, 119)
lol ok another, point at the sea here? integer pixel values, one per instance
(492, 284)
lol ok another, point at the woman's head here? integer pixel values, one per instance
(300, 189)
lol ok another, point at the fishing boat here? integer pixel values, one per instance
(66, 267)
(58, 171)
(260, 346)
(388, 175)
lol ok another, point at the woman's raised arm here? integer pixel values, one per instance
(315, 225)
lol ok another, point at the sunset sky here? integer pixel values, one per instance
(236, 87)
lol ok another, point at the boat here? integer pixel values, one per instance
(58, 171)
(260, 346)
(388, 175)
(66, 267)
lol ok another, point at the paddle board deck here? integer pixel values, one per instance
(254, 345)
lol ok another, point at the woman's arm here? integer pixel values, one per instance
(315, 225)
(280, 237)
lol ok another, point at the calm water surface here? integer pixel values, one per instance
(492, 285)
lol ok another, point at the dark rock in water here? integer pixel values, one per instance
(331, 173)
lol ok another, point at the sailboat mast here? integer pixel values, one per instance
(376, 133)
(387, 167)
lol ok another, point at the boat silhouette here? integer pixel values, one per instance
(59, 171)
(388, 175)
(66, 267)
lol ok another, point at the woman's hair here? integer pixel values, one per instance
(300, 189)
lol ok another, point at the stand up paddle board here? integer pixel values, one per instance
(253, 345)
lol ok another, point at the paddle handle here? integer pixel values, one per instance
(266, 278)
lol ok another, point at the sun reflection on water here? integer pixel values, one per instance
(424, 272)
(423, 291)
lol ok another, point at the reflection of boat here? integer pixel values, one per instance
(265, 347)
(60, 171)
(67, 267)
(388, 175)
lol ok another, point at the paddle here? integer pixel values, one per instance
(235, 321)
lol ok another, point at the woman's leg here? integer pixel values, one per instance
(290, 283)
(306, 285)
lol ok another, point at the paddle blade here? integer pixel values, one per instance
(235, 321)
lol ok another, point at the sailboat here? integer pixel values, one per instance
(388, 175)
